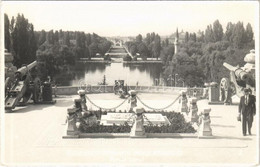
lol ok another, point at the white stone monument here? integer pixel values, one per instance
(204, 124)
(193, 110)
(137, 129)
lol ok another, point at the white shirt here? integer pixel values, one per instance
(246, 99)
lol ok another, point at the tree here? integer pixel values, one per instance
(148, 39)
(201, 38)
(50, 37)
(23, 39)
(217, 31)
(157, 46)
(61, 34)
(229, 32)
(66, 39)
(152, 36)
(249, 33)
(7, 33)
(139, 38)
(133, 49)
(238, 35)
(42, 38)
(166, 54)
(193, 37)
(88, 39)
(93, 49)
(143, 50)
(186, 37)
(209, 37)
(56, 37)
(32, 44)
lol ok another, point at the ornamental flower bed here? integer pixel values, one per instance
(178, 125)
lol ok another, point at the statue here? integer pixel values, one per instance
(193, 110)
(83, 102)
(183, 102)
(137, 129)
(74, 114)
(132, 100)
(224, 91)
(204, 123)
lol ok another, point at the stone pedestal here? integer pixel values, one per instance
(183, 102)
(73, 116)
(137, 129)
(213, 92)
(204, 124)
(72, 129)
(193, 110)
(132, 100)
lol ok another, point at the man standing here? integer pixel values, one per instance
(247, 110)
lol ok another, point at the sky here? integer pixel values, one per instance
(130, 18)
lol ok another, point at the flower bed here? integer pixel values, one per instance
(178, 125)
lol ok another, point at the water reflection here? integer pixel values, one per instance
(93, 73)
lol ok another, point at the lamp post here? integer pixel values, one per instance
(175, 79)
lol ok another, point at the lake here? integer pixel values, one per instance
(93, 73)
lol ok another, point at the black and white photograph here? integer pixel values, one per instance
(129, 83)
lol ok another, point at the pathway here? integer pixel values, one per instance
(33, 135)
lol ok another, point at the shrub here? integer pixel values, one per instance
(178, 125)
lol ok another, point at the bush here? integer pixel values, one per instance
(135, 58)
(127, 58)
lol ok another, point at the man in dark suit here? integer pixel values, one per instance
(247, 110)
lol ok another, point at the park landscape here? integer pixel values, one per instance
(77, 97)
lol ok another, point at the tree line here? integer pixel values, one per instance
(150, 46)
(200, 55)
(200, 59)
(62, 47)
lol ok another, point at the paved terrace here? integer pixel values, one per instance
(33, 135)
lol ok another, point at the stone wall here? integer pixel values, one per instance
(72, 90)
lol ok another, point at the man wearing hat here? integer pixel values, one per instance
(247, 110)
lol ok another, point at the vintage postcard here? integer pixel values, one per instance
(138, 83)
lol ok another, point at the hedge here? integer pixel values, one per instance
(178, 125)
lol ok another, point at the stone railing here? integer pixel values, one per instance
(72, 90)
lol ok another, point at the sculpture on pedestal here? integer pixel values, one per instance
(132, 100)
(224, 91)
(82, 94)
(183, 102)
(204, 123)
(193, 110)
(138, 126)
(74, 114)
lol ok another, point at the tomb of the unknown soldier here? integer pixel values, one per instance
(106, 89)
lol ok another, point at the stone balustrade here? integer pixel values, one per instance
(72, 90)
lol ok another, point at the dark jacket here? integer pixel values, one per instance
(249, 108)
